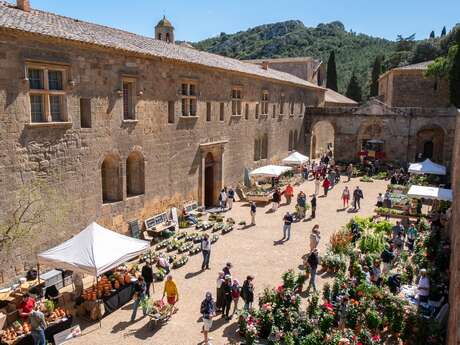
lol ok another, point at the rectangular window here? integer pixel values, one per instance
(257, 110)
(274, 111)
(208, 111)
(282, 101)
(246, 111)
(37, 108)
(292, 108)
(171, 112)
(128, 100)
(188, 99)
(222, 112)
(265, 103)
(236, 101)
(47, 94)
(85, 112)
(56, 108)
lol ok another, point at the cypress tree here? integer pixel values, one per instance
(376, 71)
(331, 73)
(454, 80)
(443, 32)
(353, 89)
(432, 35)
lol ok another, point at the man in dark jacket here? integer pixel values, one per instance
(147, 273)
(247, 292)
(387, 257)
(228, 288)
(312, 261)
(313, 206)
(357, 196)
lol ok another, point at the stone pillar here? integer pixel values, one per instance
(201, 179)
(222, 171)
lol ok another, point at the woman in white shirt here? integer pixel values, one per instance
(423, 287)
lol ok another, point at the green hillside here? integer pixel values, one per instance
(354, 52)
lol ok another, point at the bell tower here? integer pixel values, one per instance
(164, 31)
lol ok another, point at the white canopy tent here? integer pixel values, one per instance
(269, 171)
(295, 158)
(430, 193)
(93, 251)
(427, 167)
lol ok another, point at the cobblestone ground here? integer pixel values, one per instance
(252, 250)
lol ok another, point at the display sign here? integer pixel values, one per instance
(134, 227)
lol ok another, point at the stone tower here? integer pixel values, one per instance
(164, 31)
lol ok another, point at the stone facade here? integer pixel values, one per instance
(403, 130)
(454, 290)
(173, 147)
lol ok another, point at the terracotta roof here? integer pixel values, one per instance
(332, 97)
(417, 66)
(281, 60)
(65, 28)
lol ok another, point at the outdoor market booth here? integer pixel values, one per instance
(263, 182)
(102, 254)
(433, 193)
(295, 159)
(427, 167)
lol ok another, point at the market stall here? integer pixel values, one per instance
(295, 159)
(97, 251)
(433, 193)
(427, 167)
(262, 191)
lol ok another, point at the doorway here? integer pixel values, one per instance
(428, 148)
(209, 180)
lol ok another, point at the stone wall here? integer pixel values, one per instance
(454, 290)
(68, 158)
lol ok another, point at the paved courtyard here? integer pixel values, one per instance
(252, 250)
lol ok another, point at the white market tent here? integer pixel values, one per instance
(295, 158)
(430, 193)
(269, 171)
(93, 251)
(427, 167)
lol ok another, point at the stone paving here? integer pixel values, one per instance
(253, 250)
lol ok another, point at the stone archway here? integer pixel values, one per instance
(212, 172)
(430, 143)
(209, 198)
(111, 179)
(322, 138)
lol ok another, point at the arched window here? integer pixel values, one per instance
(167, 37)
(159, 36)
(290, 141)
(264, 150)
(256, 149)
(295, 140)
(135, 179)
(111, 180)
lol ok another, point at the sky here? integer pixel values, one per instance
(195, 20)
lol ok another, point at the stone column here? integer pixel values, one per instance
(222, 171)
(202, 182)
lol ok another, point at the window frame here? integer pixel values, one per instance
(237, 96)
(189, 99)
(132, 98)
(46, 93)
(264, 102)
(282, 102)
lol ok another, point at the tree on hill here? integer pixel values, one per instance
(454, 78)
(331, 73)
(432, 34)
(376, 71)
(443, 32)
(354, 89)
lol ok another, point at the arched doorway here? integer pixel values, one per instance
(322, 137)
(135, 174)
(430, 144)
(111, 180)
(209, 180)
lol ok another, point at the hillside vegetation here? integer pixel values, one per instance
(354, 52)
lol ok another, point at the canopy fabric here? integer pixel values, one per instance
(93, 251)
(427, 167)
(295, 158)
(430, 193)
(269, 171)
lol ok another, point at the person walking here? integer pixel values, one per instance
(301, 204)
(326, 186)
(345, 197)
(236, 293)
(317, 183)
(219, 291)
(230, 198)
(147, 274)
(206, 251)
(411, 234)
(349, 172)
(313, 206)
(227, 269)
(140, 290)
(223, 199)
(171, 292)
(227, 287)
(288, 193)
(38, 325)
(357, 196)
(208, 311)
(312, 261)
(247, 292)
(314, 237)
(276, 199)
(253, 208)
(287, 226)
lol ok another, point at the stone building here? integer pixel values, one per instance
(122, 126)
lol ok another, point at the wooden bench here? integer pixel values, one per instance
(158, 223)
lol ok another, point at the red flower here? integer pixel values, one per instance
(376, 338)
